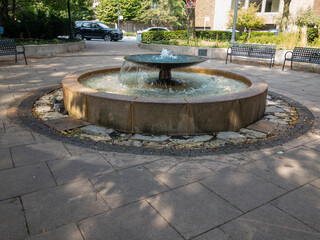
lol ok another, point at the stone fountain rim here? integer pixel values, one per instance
(256, 86)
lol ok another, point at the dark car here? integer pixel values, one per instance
(90, 29)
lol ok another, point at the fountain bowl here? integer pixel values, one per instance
(170, 116)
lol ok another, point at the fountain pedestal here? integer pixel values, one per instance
(164, 64)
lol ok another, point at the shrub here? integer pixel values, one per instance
(312, 34)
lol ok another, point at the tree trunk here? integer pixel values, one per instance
(285, 16)
(13, 9)
(3, 11)
(193, 22)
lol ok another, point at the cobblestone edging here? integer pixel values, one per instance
(303, 125)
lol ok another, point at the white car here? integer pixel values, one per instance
(150, 29)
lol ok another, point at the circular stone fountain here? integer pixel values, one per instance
(189, 115)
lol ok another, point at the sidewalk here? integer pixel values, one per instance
(55, 190)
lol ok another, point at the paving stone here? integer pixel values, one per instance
(176, 173)
(268, 223)
(95, 130)
(40, 152)
(76, 150)
(266, 127)
(231, 136)
(128, 185)
(253, 134)
(150, 138)
(273, 109)
(68, 232)
(193, 209)
(313, 144)
(216, 166)
(216, 234)
(16, 139)
(22, 180)
(55, 207)
(65, 123)
(289, 170)
(303, 204)
(79, 167)
(230, 159)
(316, 183)
(13, 225)
(136, 221)
(5, 160)
(242, 189)
(125, 160)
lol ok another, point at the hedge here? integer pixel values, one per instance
(159, 36)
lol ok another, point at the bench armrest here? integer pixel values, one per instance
(20, 45)
(285, 56)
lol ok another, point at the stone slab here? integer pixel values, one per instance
(5, 160)
(12, 139)
(68, 232)
(150, 138)
(79, 167)
(128, 185)
(316, 183)
(13, 225)
(234, 159)
(266, 127)
(66, 123)
(193, 209)
(303, 204)
(135, 221)
(22, 180)
(231, 137)
(55, 207)
(313, 144)
(177, 173)
(268, 223)
(216, 234)
(126, 160)
(242, 189)
(290, 169)
(41, 152)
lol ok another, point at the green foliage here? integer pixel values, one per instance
(312, 34)
(129, 34)
(307, 18)
(169, 13)
(107, 10)
(43, 19)
(40, 42)
(247, 18)
(159, 36)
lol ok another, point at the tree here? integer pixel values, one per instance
(247, 18)
(306, 21)
(107, 10)
(285, 16)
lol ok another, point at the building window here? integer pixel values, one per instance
(233, 3)
(272, 6)
(257, 2)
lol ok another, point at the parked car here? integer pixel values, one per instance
(139, 33)
(93, 29)
(275, 31)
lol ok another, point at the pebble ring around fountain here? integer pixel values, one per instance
(165, 62)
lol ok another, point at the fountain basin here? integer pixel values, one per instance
(172, 116)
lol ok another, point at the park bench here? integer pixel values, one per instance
(302, 54)
(8, 47)
(252, 50)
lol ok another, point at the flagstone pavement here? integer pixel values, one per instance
(55, 190)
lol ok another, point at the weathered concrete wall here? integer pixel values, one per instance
(47, 50)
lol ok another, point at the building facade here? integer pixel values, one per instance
(213, 14)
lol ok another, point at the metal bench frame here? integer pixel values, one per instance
(252, 50)
(8, 47)
(302, 54)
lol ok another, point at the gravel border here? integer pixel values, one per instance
(25, 105)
